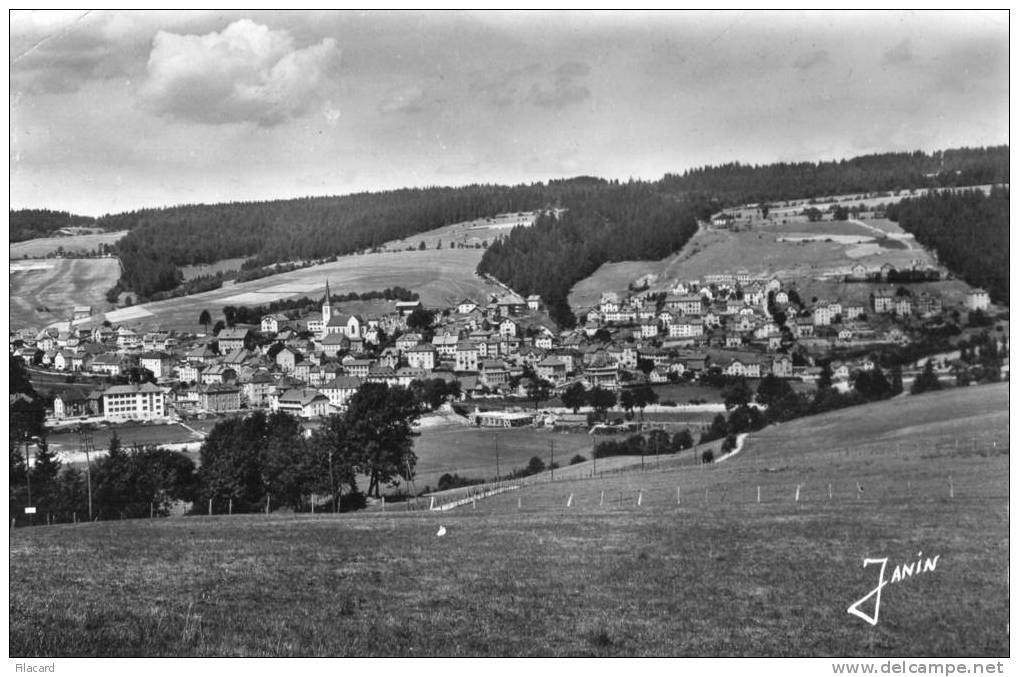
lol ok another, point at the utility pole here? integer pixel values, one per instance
(497, 473)
(28, 467)
(86, 444)
(551, 462)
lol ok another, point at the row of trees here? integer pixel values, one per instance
(249, 461)
(735, 183)
(969, 230)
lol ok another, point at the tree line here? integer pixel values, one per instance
(967, 229)
(301, 229)
(28, 224)
(736, 183)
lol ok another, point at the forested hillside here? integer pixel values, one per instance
(967, 229)
(735, 183)
(610, 222)
(286, 230)
(161, 240)
(27, 224)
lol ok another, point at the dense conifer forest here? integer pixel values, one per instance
(614, 223)
(734, 183)
(27, 224)
(605, 221)
(967, 229)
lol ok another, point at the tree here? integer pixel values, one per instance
(574, 397)
(682, 440)
(872, 384)
(205, 319)
(378, 423)
(772, 389)
(716, 431)
(601, 400)
(538, 390)
(420, 320)
(284, 472)
(927, 380)
(824, 380)
(644, 395)
(627, 402)
(219, 326)
(535, 466)
(737, 394)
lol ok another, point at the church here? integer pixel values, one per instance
(334, 322)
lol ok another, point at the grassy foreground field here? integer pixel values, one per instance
(601, 566)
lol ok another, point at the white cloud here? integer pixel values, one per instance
(245, 73)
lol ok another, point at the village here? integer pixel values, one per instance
(309, 364)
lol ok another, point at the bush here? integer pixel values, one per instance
(579, 458)
(708, 456)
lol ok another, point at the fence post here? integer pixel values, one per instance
(601, 501)
(431, 504)
(951, 487)
(230, 506)
(640, 496)
(210, 506)
(677, 496)
(569, 501)
(519, 503)
(758, 493)
(829, 491)
(797, 493)
(267, 504)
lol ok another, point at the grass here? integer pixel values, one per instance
(717, 575)
(43, 295)
(440, 277)
(758, 251)
(42, 246)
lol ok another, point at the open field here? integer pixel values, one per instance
(440, 277)
(717, 574)
(223, 265)
(469, 233)
(45, 291)
(760, 253)
(42, 246)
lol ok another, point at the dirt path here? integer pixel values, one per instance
(905, 238)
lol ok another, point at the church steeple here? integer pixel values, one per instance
(327, 307)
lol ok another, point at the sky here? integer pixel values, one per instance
(114, 110)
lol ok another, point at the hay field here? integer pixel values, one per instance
(440, 277)
(70, 244)
(759, 251)
(45, 291)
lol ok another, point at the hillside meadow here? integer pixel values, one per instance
(440, 277)
(774, 249)
(613, 565)
(68, 244)
(44, 291)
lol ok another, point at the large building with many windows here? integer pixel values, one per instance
(134, 402)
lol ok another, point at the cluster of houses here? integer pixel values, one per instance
(311, 365)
